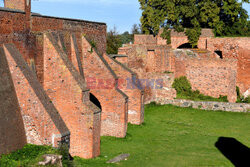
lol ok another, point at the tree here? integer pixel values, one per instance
(136, 29)
(126, 37)
(226, 17)
(113, 41)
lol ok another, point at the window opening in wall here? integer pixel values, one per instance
(94, 100)
(186, 46)
(219, 53)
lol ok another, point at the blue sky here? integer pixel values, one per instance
(120, 13)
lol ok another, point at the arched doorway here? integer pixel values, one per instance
(94, 100)
(186, 46)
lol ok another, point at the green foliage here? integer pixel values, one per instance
(136, 29)
(184, 91)
(166, 34)
(30, 155)
(169, 131)
(113, 41)
(126, 37)
(241, 99)
(168, 72)
(182, 85)
(238, 94)
(226, 17)
(193, 36)
(93, 45)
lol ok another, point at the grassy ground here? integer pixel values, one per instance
(174, 137)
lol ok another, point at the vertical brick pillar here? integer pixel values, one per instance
(28, 15)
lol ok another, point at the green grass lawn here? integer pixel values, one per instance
(174, 137)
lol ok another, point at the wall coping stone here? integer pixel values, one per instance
(208, 105)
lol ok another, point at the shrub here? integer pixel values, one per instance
(241, 99)
(182, 86)
(28, 156)
(184, 91)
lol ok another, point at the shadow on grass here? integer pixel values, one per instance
(235, 151)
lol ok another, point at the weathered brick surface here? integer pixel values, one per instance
(160, 86)
(213, 77)
(68, 92)
(127, 83)
(236, 48)
(43, 124)
(144, 39)
(16, 22)
(102, 82)
(17, 4)
(150, 63)
(11, 124)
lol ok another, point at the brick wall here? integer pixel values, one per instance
(102, 82)
(15, 4)
(213, 77)
(127, 85)
(43, 125)
(67, 90)
(144, 39)
(237, 48)
(11, 124)
(151, 63)
(15, 22)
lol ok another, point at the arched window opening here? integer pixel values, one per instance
(186, 46)
(219, 53)
(94, 100)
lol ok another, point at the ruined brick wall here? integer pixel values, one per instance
(179, 38)
(144, 39)
(152, 58)
(231, 48)
(42, 123)
(237, 48)
(13, 28)
(11, 124)
(152, 63)
(213, 77)
(102, 81)
(158, 86)
(68, 92)
(17, 4)
(95, 32)
(128, 85)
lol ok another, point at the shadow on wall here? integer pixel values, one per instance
(94, 100)
(186, 46)
(235, 151)
(219, 53)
